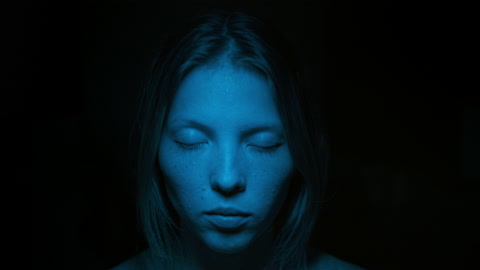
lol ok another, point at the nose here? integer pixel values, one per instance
(227, 177)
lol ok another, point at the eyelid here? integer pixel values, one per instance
(188, 136)
(268, 147)
(265, 137)
(187, 142)
(189, 146)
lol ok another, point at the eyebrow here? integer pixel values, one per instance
(246, 131)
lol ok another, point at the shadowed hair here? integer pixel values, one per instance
(253, 45)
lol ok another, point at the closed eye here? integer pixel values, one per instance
(269, 148)
(189, 146)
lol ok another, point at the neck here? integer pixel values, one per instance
(199, 257)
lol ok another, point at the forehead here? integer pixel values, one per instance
(223, 92)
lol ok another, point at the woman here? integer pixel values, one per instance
(231, 166)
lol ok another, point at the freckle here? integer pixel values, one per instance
(204, 188)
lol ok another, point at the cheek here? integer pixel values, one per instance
(179, 177)
(273, 180)
(277, 192)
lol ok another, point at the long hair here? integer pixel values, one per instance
(254, 45)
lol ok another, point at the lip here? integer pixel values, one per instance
(227, 219)
(228, 211)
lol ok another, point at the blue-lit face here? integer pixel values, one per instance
(225, 157)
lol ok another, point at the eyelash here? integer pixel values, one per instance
(189, 147)
(197, 146)
(267, 150)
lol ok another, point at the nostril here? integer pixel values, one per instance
(228, 183)
(228, 191)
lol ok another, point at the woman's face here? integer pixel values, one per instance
(224, 157)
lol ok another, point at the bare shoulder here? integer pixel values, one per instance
(137, 262)
(325, 261)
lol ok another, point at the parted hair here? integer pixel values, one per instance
(255, 45)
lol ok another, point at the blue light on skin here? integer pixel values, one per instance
(223, 146)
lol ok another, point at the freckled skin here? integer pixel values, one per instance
(227, 169)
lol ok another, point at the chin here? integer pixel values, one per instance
(228, 249)
(228, 243)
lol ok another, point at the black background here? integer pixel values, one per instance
(402, 121)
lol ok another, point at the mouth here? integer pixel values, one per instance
(228, 211)
(228, 219)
